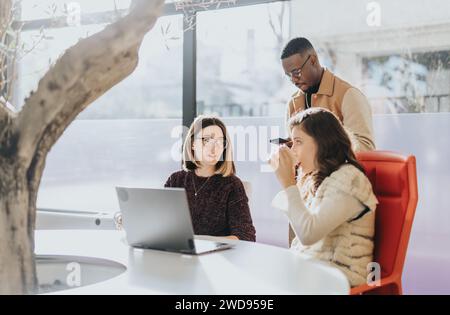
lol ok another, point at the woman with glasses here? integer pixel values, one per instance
(216, 196)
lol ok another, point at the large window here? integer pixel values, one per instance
(237, 57)
(238, 69)
(153, 90)
(396, 52)
(125, 137)
(409, 83)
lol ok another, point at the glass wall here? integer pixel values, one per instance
(153, 90)
(396, 52)
(117, 139)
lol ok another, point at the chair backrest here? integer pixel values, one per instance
(394, 182)
(248, 189)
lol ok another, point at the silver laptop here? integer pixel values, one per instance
(159, 218)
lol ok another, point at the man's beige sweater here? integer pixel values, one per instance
(327, 224)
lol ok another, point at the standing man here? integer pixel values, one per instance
(318, 87)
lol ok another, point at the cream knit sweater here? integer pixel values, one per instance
(327, 224)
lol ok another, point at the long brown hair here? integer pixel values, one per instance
(225, 165)
(334, 147)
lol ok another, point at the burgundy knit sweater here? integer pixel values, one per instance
(220, 207)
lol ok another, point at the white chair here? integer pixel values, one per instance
(248, 189)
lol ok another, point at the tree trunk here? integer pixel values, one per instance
(17, 268)
(84, 73)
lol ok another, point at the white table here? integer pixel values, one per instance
(248, 268)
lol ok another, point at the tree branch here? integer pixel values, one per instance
(5, 15)
(6, 114)
(84, 73)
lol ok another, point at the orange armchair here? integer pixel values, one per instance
(394, 182)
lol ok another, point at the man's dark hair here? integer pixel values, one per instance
(297, 45)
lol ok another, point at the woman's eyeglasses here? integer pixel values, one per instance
(220, 142)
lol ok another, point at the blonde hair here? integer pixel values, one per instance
(225, 165)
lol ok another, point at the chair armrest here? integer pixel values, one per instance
(366, 288)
